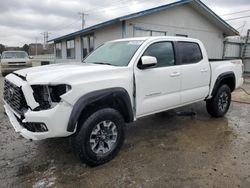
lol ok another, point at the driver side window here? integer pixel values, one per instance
(163, 52)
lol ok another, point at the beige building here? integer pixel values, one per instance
(186, 18)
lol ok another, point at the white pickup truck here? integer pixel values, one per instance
(119, 82)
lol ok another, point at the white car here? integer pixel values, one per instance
(119, 82)
(14, 60)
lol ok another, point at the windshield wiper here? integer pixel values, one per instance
(101, 63)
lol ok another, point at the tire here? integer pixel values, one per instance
(220, 103)
(91, 141)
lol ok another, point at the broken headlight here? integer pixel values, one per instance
(47, 96)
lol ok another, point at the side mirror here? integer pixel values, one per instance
(148, 61)
(31, 57)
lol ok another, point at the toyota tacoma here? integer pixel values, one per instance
(119, 82)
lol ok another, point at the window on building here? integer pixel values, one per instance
(146, 33)
(163, 52)
(158, 33)
(71, 49)
(59, 50)
(142, 33)
(181, 35)
(91, 43)
(88, 44)
(189, 52)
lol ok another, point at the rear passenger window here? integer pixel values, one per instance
(189, 52)
(163, 52)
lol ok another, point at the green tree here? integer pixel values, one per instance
(2, 48)
(26, 48)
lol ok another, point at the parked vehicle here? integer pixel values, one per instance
(14, 60)
(120, 81)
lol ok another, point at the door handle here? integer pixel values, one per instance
(175, 74)
(204, 70)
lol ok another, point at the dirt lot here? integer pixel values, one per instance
(163, 150)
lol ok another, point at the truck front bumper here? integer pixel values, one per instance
(32, 124)
(55, 119)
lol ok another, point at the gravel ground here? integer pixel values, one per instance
(163, 150)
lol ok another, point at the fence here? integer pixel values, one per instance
(238, 49)
(43, 59)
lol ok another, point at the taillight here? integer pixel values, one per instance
(236, 62)
(239, 62)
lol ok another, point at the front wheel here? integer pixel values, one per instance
(100, 137)
(220, 103)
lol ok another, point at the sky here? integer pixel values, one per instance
(23, 21)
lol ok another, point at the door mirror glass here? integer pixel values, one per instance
(148, 61)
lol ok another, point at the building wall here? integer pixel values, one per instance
(185, 20)
(108, 33)
(102, 35)
(182, 19)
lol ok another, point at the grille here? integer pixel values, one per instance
(10, 63)
(14, 97)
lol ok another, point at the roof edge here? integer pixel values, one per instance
(122, 18)
(147, 12)
(227, 25)
(154, 9)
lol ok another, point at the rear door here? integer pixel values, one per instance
(158, 88)
(195, 72)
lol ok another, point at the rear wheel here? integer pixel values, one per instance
(220, 103)
(100, 137)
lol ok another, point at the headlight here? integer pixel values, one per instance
(48, 95)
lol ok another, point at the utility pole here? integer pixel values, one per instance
(82, 14)
(45, 38)
(36, 45)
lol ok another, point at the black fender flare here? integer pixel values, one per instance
(220, 79)
(114, 94)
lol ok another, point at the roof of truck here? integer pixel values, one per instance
(172, 38)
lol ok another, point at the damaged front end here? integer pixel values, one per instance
(47, 96)
(33, 109)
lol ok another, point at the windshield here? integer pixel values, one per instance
(9, 55)
(114, 53)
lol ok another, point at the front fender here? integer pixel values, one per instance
(116, 94)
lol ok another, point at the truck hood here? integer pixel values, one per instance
(62, 72)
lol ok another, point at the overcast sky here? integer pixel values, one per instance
(21, 21)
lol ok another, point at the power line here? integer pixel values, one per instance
(118, 7)
(235, 12)
(110, 4)
(231, 19)
(94, 11)
(66, 25)
(82, 14)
